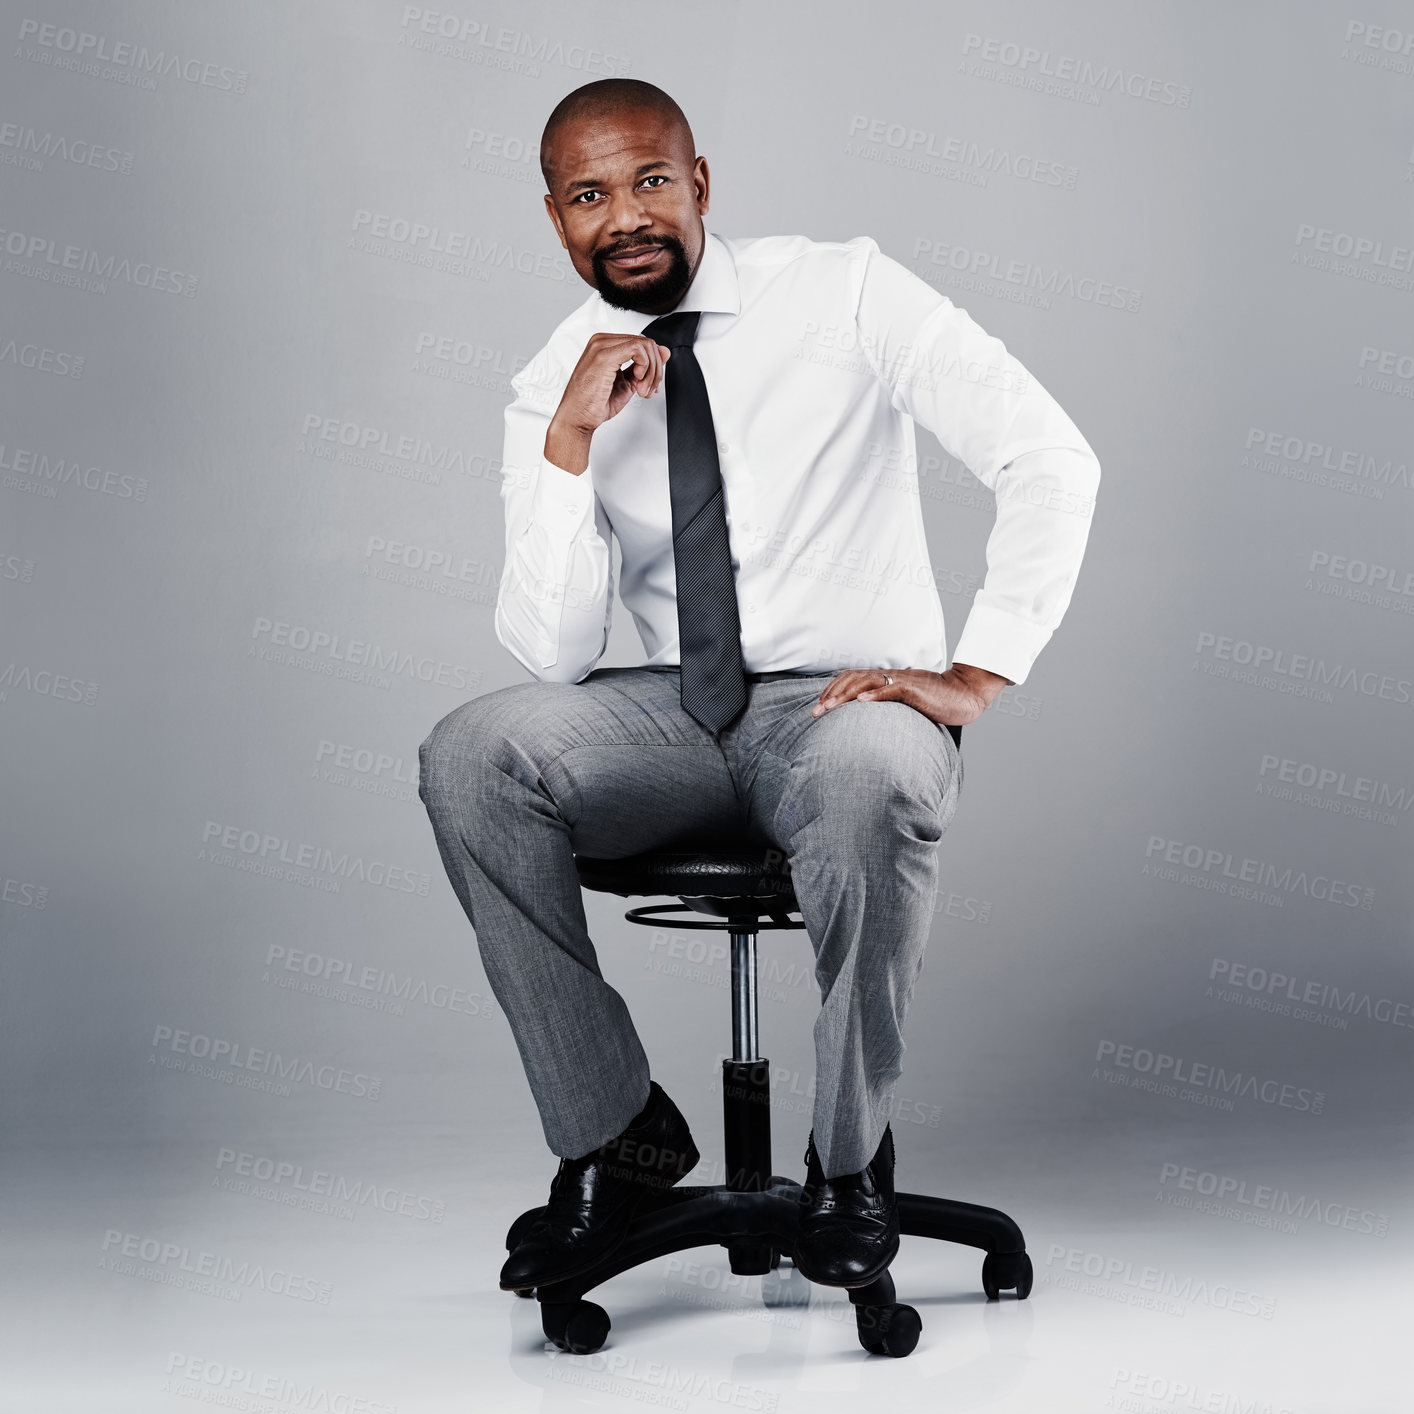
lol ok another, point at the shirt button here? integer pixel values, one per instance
(751, 608)
(724, 446)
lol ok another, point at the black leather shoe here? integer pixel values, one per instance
(849, 1229)
(593, 1199)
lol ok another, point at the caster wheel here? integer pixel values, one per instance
(578, 1327)
(526, 1291)
(751, 1259)
(1003, 1270)
(785, 1286)
(888, 1330)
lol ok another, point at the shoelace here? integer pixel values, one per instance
(560, 1197)
(861, 1182)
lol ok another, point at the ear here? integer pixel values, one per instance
(554, 214)
(702, 183)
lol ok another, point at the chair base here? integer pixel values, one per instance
(758, 1229)
(755, 1214)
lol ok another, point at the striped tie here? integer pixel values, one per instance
(712, 676)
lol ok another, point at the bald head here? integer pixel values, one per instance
(604, 101)
(626, 192)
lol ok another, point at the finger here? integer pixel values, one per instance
(824, 696)
(651, 366)
(642, 374)
(626, 373)
(630, 366)
(839, 690)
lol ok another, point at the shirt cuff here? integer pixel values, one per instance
(562, 502)
(1000, 642)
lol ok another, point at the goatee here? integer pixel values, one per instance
(646, 296)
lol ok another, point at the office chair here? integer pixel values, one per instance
(754, 1213)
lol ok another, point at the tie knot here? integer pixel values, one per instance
(675, 331)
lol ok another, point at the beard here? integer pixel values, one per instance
(645, 296)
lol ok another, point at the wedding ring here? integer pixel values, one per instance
(887, 678)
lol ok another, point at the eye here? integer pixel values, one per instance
(657, 177)
(580, 199)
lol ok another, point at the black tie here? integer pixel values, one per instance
(712, 679)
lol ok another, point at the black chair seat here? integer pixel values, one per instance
(755, 874)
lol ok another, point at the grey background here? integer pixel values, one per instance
(216, 509)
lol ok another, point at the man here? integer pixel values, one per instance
(734, 413)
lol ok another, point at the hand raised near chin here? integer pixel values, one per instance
(612, 369)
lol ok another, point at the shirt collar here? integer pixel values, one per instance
(714, 290)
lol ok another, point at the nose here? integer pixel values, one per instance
(627, 214)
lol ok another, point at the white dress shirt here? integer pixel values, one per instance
(818, 357)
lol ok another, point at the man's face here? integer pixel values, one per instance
(627, 198)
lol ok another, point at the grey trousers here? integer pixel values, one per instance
(519, 780)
